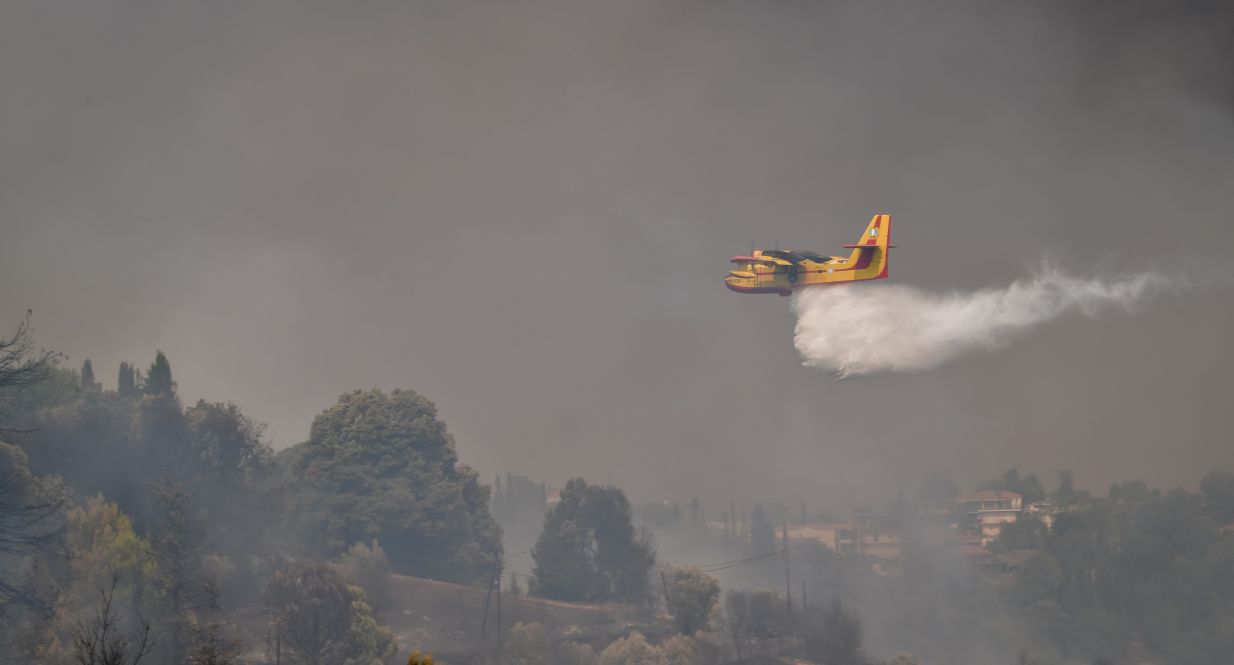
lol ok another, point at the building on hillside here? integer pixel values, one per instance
(1044, 511)
(864, 536)
(989, 510)
(841, 537)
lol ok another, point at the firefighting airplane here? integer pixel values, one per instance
(782, 271)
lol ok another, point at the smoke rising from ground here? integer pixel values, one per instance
(869, 329)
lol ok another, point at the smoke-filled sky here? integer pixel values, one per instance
(524, 210)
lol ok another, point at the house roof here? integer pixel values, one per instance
(990, 495)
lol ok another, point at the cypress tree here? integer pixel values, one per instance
(87, 375)
(158, 380)
(762, 531)
(126, 383)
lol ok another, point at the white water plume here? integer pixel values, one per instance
(860, 329)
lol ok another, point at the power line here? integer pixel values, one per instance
(706, 567)
(742, 562)
(721, 565)
(725, 563)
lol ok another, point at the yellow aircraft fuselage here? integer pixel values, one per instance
(783, 271)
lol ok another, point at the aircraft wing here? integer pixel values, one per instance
(760, 259)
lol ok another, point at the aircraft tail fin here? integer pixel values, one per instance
(870, 250)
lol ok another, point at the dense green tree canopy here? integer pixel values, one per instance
(1028, 487)
(694, 594)
(318, 619)
(1138, 563)
(1218, 490)
(589, 550)
(381, 465)
(158, 379)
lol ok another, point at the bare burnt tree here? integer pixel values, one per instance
(21, 365)
(31, 524)
(102, 643)
(31, 508)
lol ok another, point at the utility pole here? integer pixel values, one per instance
(788, 586)
(499, 636)
(804, 606)
(489, 597)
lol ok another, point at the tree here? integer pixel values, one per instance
(588, 550)
(381, 465)
(87, 376)
(575, 653)
(630, 650)
(21, 366)
(312, 616)
(679, 650)
(227, 445)
(178, 546)
(31, 508)
(767, 620)
(317, 619)
(375, 643)
(526, 644)
(694, 593)
(1217, 489)
(158, 379)
(211, 647)
(368, 567)
(230, 468)
(1025, 533)
(1038, 579)
(835, 637)
(126, 381)
(100, 641)
(32, 523)
(1065, 493)
(103, 546)
(1028, 487)
(737, 620)
(762, 532)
